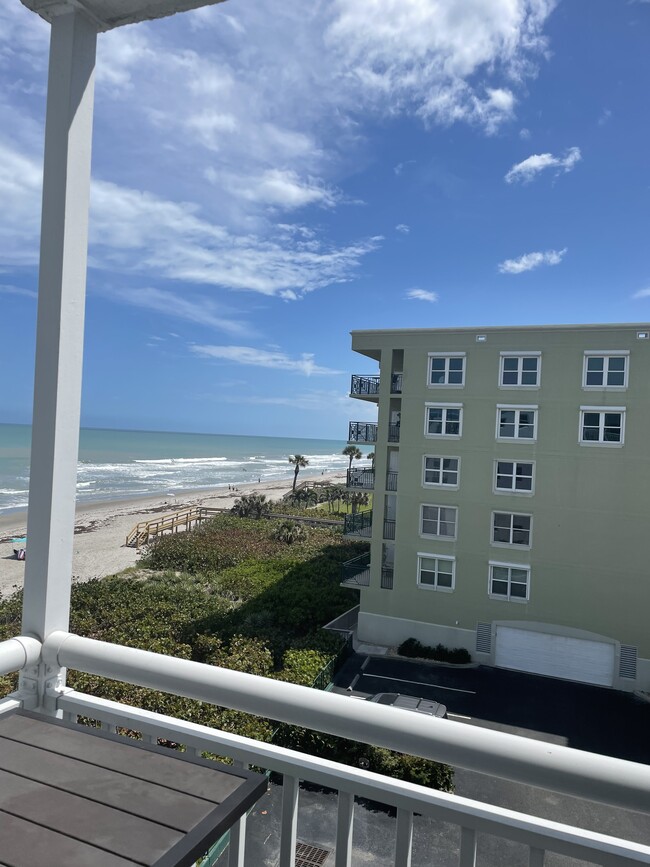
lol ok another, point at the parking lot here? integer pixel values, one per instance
(585, 717)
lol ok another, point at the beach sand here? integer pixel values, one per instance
(101, 528)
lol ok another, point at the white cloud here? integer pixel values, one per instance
(422, 295)
(276, 360)
(606, 113)
(331, 402)
(439, 60)
(17, 290)
(531, 260)
(137, 232)
(399, 168)
(524, 134)
(403, 228)
(642, 293)
(271, 128)
(284, 189)
(201, 311)
(527, 169)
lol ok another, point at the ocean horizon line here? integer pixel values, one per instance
(183, 432)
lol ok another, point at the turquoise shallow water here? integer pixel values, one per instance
(116, 464)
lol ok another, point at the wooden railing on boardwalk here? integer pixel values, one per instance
(183, 520)
(192, 516)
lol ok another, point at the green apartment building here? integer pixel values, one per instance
(511, 507)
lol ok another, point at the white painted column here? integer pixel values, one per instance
(59, 340)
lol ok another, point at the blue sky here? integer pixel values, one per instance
(268, 176)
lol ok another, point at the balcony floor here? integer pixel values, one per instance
(73, 795)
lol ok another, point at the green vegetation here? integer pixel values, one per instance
(298, 462)
(412, 648)
(353, 453)
(240, 593)
(251, 506)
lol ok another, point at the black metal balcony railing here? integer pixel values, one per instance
(391, 481)
(389, 528)
(386, 577)
(393, 433)
(359, 524)
(361, 477)
(396, 383)
(364, 385)
(356, 572)
(362, 432)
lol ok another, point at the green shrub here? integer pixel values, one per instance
(377, 759)
(251, 506)
(412, 648)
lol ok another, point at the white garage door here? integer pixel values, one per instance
(555, 655)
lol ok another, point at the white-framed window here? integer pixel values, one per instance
(436, 572)
(509, 581)
(509, 528)
(516, 422)
(602, 425)
(443, 420)
(514, 477)
(441, 472)
(603, 370)
(439, 522)
(520, 369)
(446, 369)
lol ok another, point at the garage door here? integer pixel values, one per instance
(555, 655)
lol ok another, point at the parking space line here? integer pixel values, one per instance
(419, 683)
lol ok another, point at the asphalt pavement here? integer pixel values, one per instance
(577, 715)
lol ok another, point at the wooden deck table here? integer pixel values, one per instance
(73, 796)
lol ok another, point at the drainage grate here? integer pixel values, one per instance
(310, 856)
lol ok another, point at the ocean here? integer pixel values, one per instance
(121, 464)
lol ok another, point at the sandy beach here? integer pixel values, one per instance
(102, 527)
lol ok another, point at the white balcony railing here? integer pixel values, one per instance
(561, 769)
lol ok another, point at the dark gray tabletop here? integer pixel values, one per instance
(74, 796)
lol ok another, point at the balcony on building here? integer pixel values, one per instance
(356, 572)
(387, 577)
(364, 387)
(391, 481)
(359, 525)
(362, 432)
(361, 478)
(396, 383)
(389, 528)
(393, 433)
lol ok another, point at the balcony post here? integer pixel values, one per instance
(59, 335)
(404, 838)
(344, 822)
(289, 820)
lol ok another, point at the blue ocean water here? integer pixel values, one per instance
(119, 464)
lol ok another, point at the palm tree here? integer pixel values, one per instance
(353, 453)
(299, 461)
(289, 532)
(371, 457)
(356, 499)
(251, 506)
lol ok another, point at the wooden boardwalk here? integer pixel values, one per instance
(182, 520)
(186, 519)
